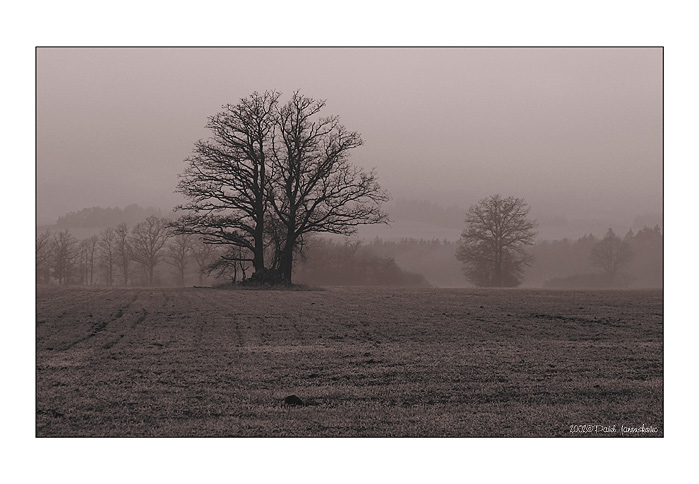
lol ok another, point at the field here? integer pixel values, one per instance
(383, 362)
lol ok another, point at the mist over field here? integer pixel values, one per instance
(575, 132)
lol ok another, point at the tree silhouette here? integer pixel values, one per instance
(147, 241)
(314, 187)
(204, 255)
(493, 244)
(65, 254)
(226, 179)
(178, 250)
(107, 254)
(611, 254)
(271, 174)
(123, 252)
(44, 257)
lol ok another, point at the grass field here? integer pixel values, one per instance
(366, 362)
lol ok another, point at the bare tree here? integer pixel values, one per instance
(230, 266)
(108, 254)
(178, 250)
(87, 250)
(314, 188)
(147, 241)
(44, 256)
(65, 252)
(493, 245)
(270, 175)
(611, 254)
(123, 252)
(204, 255)
(226, 178)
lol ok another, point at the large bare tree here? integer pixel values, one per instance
(226, 177)
(272, 174)
(494, 242)
(147, 241)
(314, 187)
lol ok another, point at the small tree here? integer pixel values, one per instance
(230, 265)
(44, 257)
(107, 254)
(204, 255)
(65, 253)
(178, 250)
(123, 252)
(87, 251)
(493, 245)
(611, 254)
(147, 241)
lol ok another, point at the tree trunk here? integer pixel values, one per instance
(258, 262)
(286, 261)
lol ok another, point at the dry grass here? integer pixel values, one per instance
(366, 362)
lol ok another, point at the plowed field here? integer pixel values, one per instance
(365, 362)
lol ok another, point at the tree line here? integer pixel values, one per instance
(110, 258)
(126, 256)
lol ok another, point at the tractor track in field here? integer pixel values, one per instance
(238, 333)
(99, 327)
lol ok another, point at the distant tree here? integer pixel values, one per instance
(647, 262)
(147, 241)
(227, 178)
(65, 253)
(122, 246)
(87, 252)
(44, 256)
(204, 255)
(611, 254)
(107, 254)
(178, 250)
(493, 245)
(313, 187)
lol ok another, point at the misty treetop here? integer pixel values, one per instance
(272, 173)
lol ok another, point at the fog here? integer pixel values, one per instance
(575, 132)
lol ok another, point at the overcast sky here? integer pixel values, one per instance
(576, 132)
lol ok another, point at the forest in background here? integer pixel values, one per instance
(563, 263)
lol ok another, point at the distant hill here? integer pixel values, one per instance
(98, 217)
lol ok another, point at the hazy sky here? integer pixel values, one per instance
(576, 132)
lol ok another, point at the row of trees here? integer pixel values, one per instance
(119, 256)
(270, 175)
